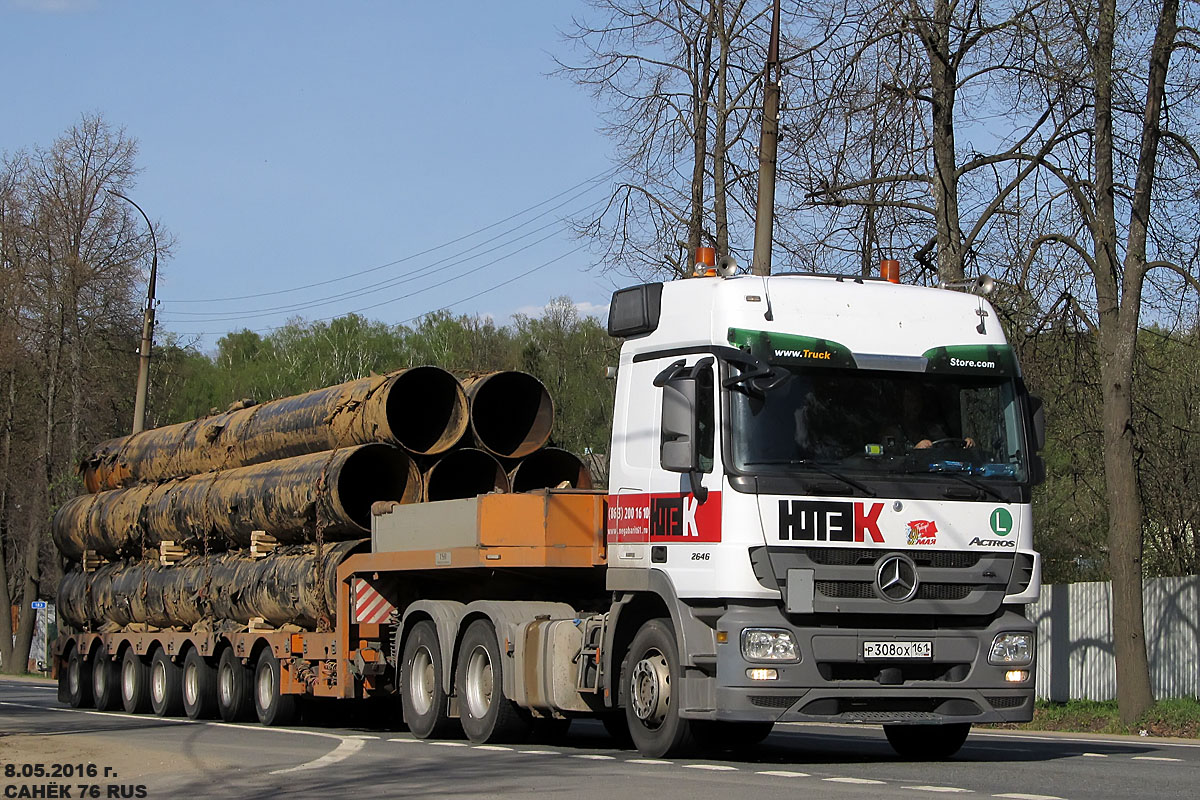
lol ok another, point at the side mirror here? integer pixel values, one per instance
(680, 425)
(1037, 470)
(1037, 416)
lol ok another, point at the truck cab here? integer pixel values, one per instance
(819, 486)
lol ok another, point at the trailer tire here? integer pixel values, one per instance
(166, 685)
(106, 682)
(649, 674)
(234, 680)
(272, 706)
(927, 742)
(79, 680)
(486, 714)
(135, 683)
(421, 684)
(199, 686)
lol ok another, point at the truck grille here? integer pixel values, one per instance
(861, 556)
(863, 590)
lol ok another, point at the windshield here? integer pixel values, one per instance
(868, 422)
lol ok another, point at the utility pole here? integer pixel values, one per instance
(143, 380)
(768, 149)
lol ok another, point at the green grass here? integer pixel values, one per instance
(1177, 717)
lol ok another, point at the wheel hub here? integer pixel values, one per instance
(421, 681)
(479, 682)
(650, 689)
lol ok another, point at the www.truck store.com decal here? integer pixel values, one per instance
(663, 518)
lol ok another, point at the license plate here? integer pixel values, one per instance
(897, 649)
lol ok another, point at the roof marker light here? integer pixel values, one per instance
(889, 270)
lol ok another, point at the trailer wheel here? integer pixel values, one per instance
(649, 675)
(927, 742)
(273, 707)
(233, 688)
(79, 680)
(135, 683)
(487, 715)
(421, 684)
(166, 685)
(199, 686)
(106, 682)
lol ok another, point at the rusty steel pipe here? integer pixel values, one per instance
(423, 409)
(550, 468)
(289, 586)
(466, 472)
(512, 413)
(287, 499)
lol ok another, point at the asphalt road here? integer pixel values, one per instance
(143, 756)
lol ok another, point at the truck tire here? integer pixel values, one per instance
(486, 714)
(421, 684)
(106, 682)
(927, 742)
(135, 683)
(79, 680)
(199, 686)
(234, 681)
(166, 685)
(649, 673)
(272, 706)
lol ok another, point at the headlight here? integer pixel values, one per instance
(1012, 648)
(769, 644)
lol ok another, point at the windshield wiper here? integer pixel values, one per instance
(819, 468)
(980, 485)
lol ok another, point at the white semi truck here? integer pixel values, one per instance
(818, 510)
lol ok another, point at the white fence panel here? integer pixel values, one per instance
(1075, 643)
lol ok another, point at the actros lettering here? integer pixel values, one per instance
(993, 542)
(824, 521)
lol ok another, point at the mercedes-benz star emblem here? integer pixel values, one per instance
(896, 579)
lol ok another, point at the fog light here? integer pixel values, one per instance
(1016, 675)
(762, 674)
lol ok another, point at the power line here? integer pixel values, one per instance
(374, 288)
(590, 182)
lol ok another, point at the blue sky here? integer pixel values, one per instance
(293, 143)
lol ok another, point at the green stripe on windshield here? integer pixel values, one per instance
(789, 348)
(973, 359)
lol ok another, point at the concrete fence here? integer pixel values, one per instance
(1075, 642)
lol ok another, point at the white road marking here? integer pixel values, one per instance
(1019, 796)
(490, 747)
(937, 788)
(346, 748)
(538, 752)
(1155, 758)
(712, 767)
(870, 781)
(361, 736)
(646, 761)
(449, 744)
(595, 757)
(408, 741)
(1094, 755)
(783, 773)
(1142, 741)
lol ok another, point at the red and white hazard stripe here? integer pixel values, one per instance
(369, 605)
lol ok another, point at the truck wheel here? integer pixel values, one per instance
(649, 675)
(199, 686)
(166, 685)
(421, 684)
(106, 682)
(927, 742)
(79, 680)
(135, 683)
(486, 714)
(273, 707)
(233, 688)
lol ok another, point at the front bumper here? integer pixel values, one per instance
(834, 683)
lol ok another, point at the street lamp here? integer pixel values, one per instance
(143, 381)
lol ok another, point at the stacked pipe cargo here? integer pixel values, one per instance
(301, 471)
